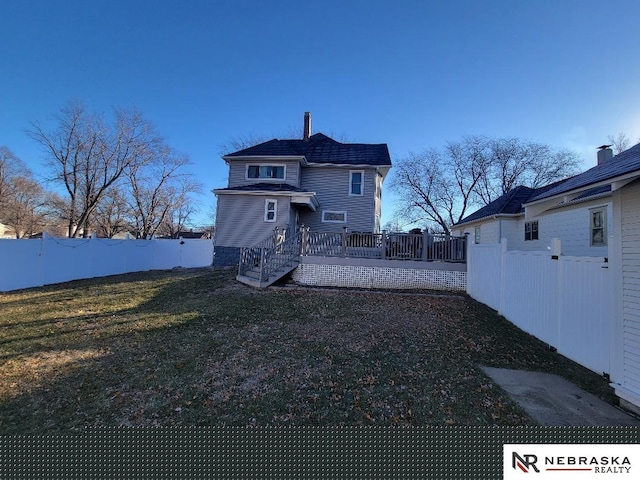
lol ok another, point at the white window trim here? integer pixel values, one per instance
(284, 171)
(361, 172)
(266, 210)
(344, 212)
(604, 226)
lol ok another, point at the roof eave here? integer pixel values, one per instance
(488, 217)
(536, 207)
(349, 165)
(258, 158)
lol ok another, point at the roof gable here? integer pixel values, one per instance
(320, 149)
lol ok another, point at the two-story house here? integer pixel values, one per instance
(315, 181)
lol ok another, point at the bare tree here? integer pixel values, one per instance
(513, 162)
(113, 213)
(87, 156)
(24, 204)
(619, 142)
(182, 209)
(25, 207)
(10, 167)
(439, 186)
(160, 192)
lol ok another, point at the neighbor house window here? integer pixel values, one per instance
(476, 235)
(356, 182)
(330, 216)
(598, 226)
(531, 230)
(270, 208)
(273, 172)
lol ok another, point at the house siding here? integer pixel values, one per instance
(630, 237)
(570, 224)
(489, 231)
(238, 171)
(331, 185)
(240, 219)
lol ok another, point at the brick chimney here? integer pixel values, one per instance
(306, 133)
(604, 154)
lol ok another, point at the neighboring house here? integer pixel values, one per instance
(595, 213)
(315, 181)
(582, 221)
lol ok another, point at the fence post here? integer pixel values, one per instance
(42, 272)
(503, 274)
(556, 248)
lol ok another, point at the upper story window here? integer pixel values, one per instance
(356, 182)
(268, 172)
(531, 230)
(598, 226)
(476, 235)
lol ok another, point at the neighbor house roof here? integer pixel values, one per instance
(622, 164)
(320, 149)
(509, 203)
(593, 182)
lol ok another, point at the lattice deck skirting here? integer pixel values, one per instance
(378, 277)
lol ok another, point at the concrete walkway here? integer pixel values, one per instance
(553, 401)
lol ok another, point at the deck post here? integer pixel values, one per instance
(425, 245)
(304, 240)
(383, 245)
(262, 264)
(344, 241)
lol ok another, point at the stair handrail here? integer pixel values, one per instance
(258, 254)
(279, 256)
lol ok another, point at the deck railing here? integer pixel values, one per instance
(391, 246)
(270, 255)
(283, 248)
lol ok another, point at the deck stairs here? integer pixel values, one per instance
(269, 261)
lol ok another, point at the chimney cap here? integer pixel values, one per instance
(602, 147)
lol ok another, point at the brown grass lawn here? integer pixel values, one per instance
(196, 348)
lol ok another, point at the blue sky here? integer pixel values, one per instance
(412, 74)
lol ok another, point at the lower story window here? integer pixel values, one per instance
(270, 209)
(531, 230)
(332, 216)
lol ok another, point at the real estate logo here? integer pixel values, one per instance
(551, 461)
(525, 462)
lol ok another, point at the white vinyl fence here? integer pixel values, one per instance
(36, 262)
(567, 302)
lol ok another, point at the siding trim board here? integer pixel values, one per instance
(627, 380)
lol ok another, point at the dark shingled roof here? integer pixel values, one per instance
(509, 203)
(623, 163)
(321, 149)
(512, 201)
(268, 187)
